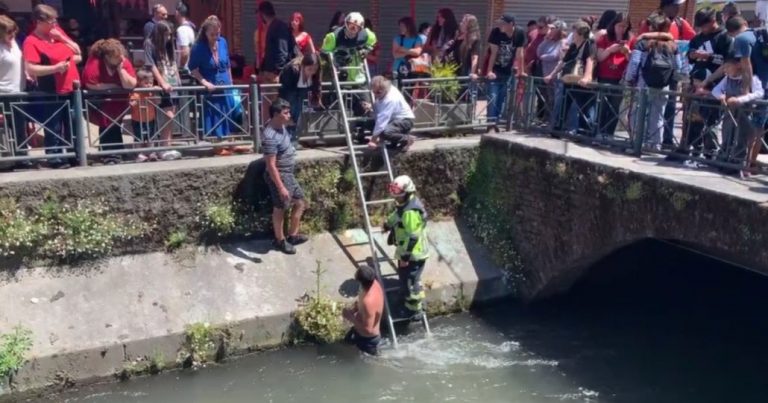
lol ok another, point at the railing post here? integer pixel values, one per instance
(510, 103)
(255, 114)
(78, 125)
(640, 117)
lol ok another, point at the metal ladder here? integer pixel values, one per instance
(355, 151)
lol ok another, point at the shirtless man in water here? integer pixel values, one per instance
(365, 315)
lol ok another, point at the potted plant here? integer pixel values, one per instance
(446, 105)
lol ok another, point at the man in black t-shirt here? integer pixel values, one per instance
(506, 50)
(707, 51)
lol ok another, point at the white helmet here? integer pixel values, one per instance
(401, 185)
(355, 18)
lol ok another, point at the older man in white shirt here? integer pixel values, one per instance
(394, 117)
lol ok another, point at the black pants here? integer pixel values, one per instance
(397, 131)
(669, 114)
(610, 107)
(368, 345)
(111, 138)
(584, 99)
(701, 135)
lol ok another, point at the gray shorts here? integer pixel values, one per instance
(290, 183)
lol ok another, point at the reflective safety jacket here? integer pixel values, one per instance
(346, 50)
(409, 222)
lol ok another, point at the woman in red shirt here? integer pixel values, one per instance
(108, 68)
(51, 58)
(612, 60)
(303, 39)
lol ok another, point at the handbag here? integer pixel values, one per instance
(577, 72)
(235, 103)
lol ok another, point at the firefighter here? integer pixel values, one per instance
(407, 231)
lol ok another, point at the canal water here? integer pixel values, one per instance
(651, 323)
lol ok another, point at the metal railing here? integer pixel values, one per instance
(638, 121)
(98, 124)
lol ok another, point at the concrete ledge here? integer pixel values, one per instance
(173, 196)
(88, 324)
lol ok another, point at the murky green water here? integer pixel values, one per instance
(650, 324)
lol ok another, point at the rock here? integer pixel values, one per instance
(34, 300)
(53, 338)
(59, 295)
(240, 267)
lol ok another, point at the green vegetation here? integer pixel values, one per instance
(488, 207)
(64, 233)
(318, 317)
(218, 219)
(176, 240)
(199, 344)
(448, 90)
(18, 233)
(14, 347)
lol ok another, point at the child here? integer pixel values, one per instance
(741, 126)
(143, 113)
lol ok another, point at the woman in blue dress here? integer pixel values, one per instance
(209, 64)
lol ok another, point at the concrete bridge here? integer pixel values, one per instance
(566, 206)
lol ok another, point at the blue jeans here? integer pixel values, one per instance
(296, 100)
(654, 119)
(572, 115)
(57, 134)
(497, 94)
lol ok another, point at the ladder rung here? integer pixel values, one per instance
(349, 83)
(388, 275)
(377, 173)
(375, 202)
(363, 91)
(358, 119)
(397, 320)
(349, 68)
(390, 289)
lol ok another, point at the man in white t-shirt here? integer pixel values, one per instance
(185, 34)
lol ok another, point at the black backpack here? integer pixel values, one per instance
(761, 45)
(659, 67)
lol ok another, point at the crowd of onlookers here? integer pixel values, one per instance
(665, 54)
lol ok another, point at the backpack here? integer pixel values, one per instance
(659, 67)
(761, 44)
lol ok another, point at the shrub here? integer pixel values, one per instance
(448, 90)
(318, 317)
(219, 219)
(18, 232)
(14, 347)
(176, 240)
(199, 344)
(63, 233)
(84, 231)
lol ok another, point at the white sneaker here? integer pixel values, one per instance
(170, 155)
(142, 158)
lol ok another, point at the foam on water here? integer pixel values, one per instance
(456, 349)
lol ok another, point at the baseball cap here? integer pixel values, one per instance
(507, 18)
